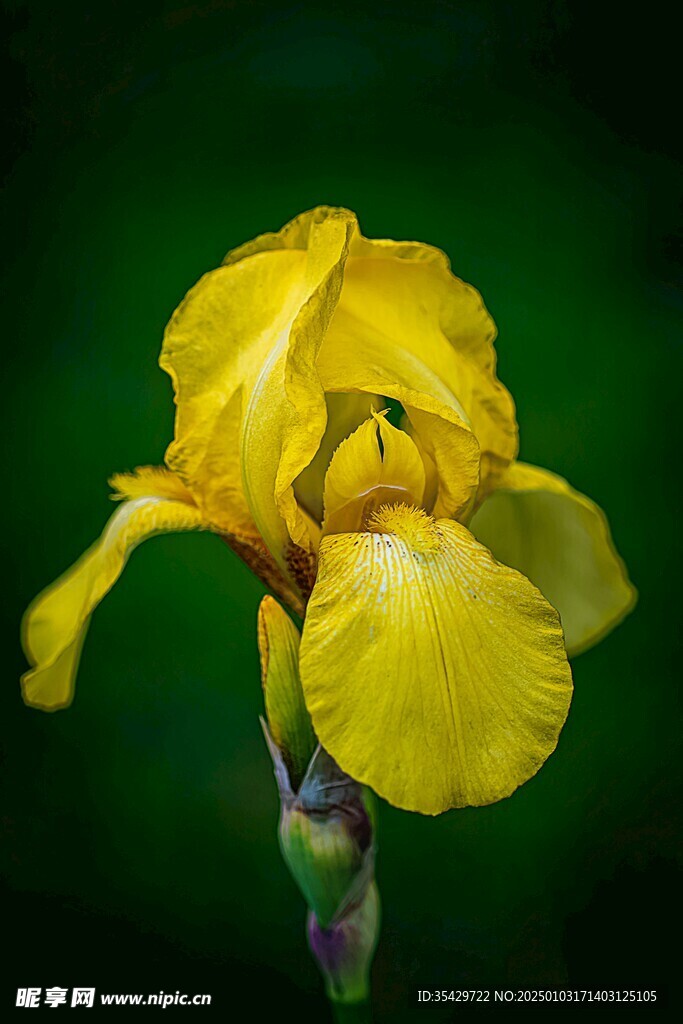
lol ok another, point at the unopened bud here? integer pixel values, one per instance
(326, 839)
(288, 720)
(344, 951)
(326, 832)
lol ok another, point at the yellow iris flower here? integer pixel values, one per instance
(429, 565)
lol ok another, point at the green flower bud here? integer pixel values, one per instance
(288, 720)
(326, 827)
(344, 951)
(326, 839)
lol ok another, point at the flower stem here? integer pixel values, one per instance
(351, 1013)
(326, 834)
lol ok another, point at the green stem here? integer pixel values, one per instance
(351, 1013)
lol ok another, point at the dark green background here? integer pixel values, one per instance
(536, 144)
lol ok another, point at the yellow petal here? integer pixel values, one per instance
(147, 482)
(353, 360)
(360, 478)
(384, 248)
(242, 349)
(432, 673)
(240, 535)
(286, 416)
(561, 541)
(402, 465)
(241, 352)
(214, 348)
(417, 308)
(294, 235)
(345, 412)
(55, 624)
(431, 476)
(288, 720)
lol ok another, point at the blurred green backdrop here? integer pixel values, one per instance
(531, 141)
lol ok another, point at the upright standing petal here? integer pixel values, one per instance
(361, 478)
(215, 346)
(431, 474)
(432, 673)
(285, 419)
(55, 624)
(345, 412)
(241, 352)
(561, 541)
(351, 361)
(411, 306)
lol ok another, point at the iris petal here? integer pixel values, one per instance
(345, 412)
(560, 539)
(350, 360)
(241, 352)
(432, 673)
(360, 477)
(255, 345)
(399, 309)
(285, 419)
(54, 626)
(214, 348)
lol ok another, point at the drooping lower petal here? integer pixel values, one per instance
(55, 624)
(432, 673)
(560, 539)
(236, 529)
